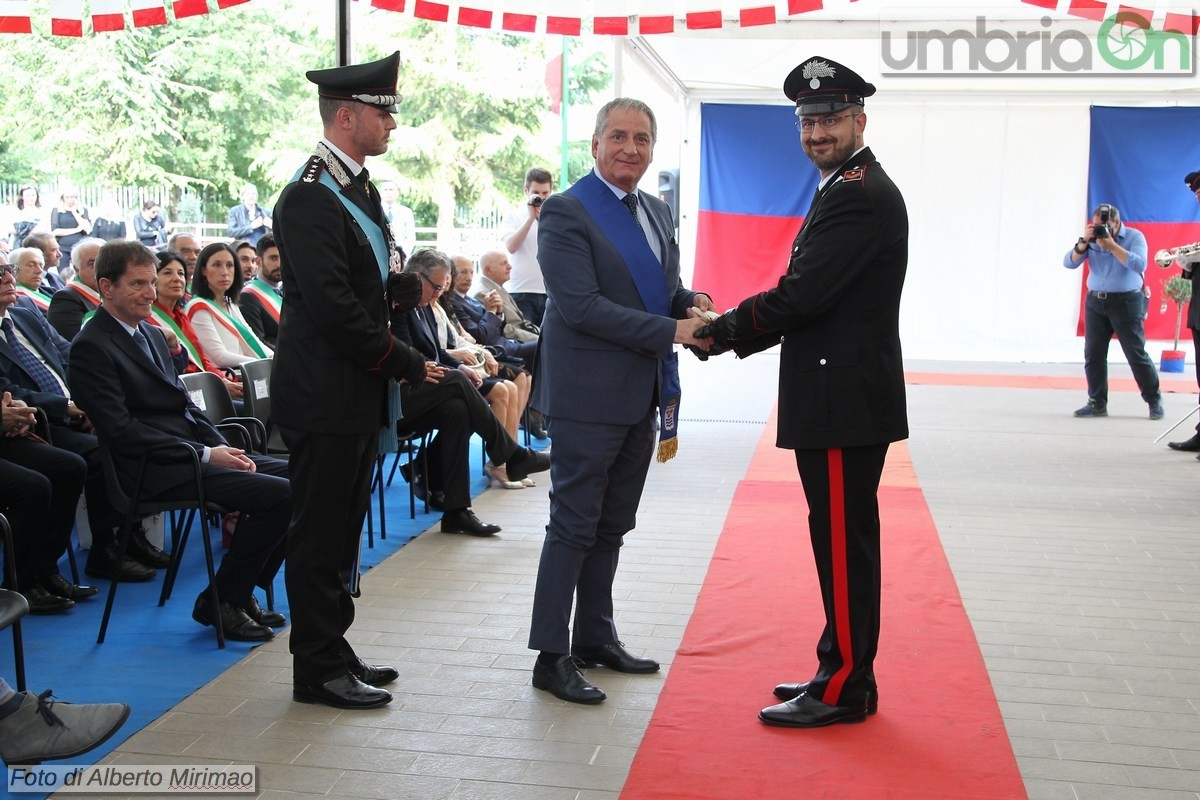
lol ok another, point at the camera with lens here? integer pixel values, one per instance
(1103, 231)
(536, 201)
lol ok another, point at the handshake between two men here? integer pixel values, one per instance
(705, 332)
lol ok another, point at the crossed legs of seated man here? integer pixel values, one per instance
(598, 474)
(264, 499)
(41, 488)
(455, 409)
(37, 728)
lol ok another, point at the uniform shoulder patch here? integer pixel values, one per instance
(855, 174)
(312, 170)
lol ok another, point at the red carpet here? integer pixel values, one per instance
(938, 733)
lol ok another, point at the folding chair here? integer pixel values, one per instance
(13, 605)
(256, 394)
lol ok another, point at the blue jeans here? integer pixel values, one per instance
(532, 305)
(1124, 314)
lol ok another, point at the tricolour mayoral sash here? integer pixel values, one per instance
(230, 323)
(325, 168)
(40, 300)
(164, 320)
(89, 295)
(266, 295)
(614, 219)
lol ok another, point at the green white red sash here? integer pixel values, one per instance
(163, 319)
(230, 323)
(266, 295)
(40, 300)
(90, 295)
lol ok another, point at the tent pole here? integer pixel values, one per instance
(345, 50)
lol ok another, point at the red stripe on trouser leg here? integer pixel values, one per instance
(839, 575)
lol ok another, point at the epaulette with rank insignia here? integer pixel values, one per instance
(312, 170)
(855, 174)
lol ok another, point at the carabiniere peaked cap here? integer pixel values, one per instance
(373, 83)
(823, 86)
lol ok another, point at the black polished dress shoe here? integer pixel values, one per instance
(58, 585)
(237, 626)
(464, 521)
(272, 619)
(42, 602)
(1192, 445)
(345, 691)
(564, 680)
(524, 463)
(374, 674)
(614, 656)
(809, 712)
(102, 563)
(143, 552)
(790, 691)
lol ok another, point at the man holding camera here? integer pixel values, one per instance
(519, 232)
(1116, 256)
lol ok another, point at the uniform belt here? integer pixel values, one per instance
(1106, 295)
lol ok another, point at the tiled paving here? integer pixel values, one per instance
(1074, 543)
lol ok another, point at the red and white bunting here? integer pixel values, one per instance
(66, 17)
(14, 16)
(148, 12)
(189, 8)
(108, 15)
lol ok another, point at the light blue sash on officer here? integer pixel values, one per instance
(621, 228)
(388, 443)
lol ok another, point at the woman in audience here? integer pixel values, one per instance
(149, 226)
(169, 315)
(507, 397)
(28, 215)
(214, 312)
(70, 222)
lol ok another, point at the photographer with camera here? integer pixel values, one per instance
(519, 232)
(1116, 256)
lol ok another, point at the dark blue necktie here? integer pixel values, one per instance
(631, 202)
(143, 343)
(33, 365)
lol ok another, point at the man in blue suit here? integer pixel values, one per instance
(616, 307)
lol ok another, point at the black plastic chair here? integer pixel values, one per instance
(13, 605)
(42, 429)
(131, 504)
(256, 394)
(212, 398)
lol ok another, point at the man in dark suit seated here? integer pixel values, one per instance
(261, 299)
(455, 408)
(123, 376)
(40, 487)
(70, 307)
(484, 326)
(34, 361)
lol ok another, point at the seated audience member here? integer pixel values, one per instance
(454, 407)
(484, 326)
(40, 487)
(34, 362)
(187, 246)
(29, 266)
(51, 256)
(169, 315)
(36, 728)
(507, 392)
(149, 226)
(214, 312)
(109, 223)
(247, 260)
(74, 305)
(125, 379)
(496, 271)
(261, 299)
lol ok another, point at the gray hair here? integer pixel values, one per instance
(426, 260)
(624, 104)
(18, 253)
(77, 250)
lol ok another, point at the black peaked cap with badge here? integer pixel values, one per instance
(373, 83)
(823, 86)
(1192, 179)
